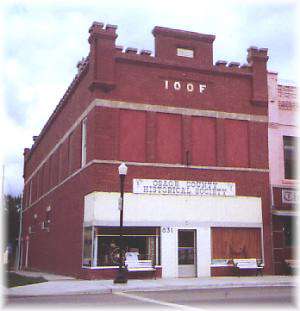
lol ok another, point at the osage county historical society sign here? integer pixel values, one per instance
(181, 187)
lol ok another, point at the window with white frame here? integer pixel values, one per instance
(183, 52)
(289, 149)
(83, 142)
(101, 245)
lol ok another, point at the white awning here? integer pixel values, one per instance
(284, 213)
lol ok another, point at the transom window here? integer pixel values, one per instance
(185, 52)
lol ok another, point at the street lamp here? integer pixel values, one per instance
(121, 275)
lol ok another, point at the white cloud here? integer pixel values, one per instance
(43, 40)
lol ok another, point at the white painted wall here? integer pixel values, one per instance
(203, 251)
(169, 253)
(171, 213)
(101, 208)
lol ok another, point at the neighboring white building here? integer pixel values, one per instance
(283, 137)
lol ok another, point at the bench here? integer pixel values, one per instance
(247, 264)
(133, 264)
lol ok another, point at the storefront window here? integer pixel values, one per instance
(144, 241)
(231, 243)
(87, 246)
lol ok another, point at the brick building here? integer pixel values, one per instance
(283, 180)
(194, 136)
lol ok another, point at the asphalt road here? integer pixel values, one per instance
(204, 299)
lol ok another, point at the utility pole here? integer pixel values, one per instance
(18, 261)
(2, 189)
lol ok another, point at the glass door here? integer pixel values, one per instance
(187, 253)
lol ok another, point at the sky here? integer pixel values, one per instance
(42, 41)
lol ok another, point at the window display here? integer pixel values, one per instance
(144, 241)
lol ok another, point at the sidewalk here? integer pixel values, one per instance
(63, 285)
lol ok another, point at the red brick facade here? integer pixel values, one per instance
(150, 113)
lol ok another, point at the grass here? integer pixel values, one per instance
(14, 279)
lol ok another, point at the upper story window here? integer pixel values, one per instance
(30, 193)
(185, 52)
(289, 149)
(83, 143)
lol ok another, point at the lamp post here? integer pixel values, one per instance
(121, 275)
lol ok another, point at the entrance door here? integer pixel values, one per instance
(187, 253)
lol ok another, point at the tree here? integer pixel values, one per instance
(12, 220)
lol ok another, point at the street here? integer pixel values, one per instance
(275, 297)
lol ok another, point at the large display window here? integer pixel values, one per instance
(143, 240)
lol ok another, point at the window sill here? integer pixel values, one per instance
(289, 181)
(106, 267)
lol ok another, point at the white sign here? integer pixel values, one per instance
(180, 187)
(187, 86)
(290, 196)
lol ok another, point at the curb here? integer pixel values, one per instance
(152, 289)
(213, 286)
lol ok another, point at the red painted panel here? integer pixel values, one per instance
(168, 135)
(75, 149)
(203, 141)
(106, 133)
(278, 239)
(132, 135)
(34, 188)
(46, 182)
(64, 160)
(236, 143)
(258, 144)
(278, 255)
(54, 167)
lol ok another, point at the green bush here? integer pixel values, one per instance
(14, 279)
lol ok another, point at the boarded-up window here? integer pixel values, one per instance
(236, 143)
(132, 135)
(83, 142)
(203, 141)
(75, 149)
(46, 183)
(168, 143)
(230, 243)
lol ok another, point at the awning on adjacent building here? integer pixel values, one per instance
(284, 213)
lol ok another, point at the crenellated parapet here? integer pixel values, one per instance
(174, 49)
(231, 67)
(102, 56)
(258, 58)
